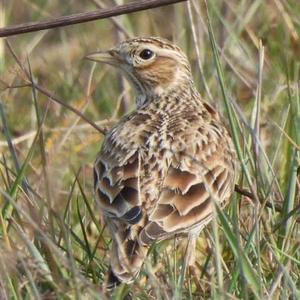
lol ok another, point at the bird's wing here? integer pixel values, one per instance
(117, 191)
(116, 183)
(120, 166)
(201, 171)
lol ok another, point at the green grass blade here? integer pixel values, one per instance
(8, 209)
(248, 270)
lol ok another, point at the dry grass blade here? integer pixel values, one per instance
(49, 94)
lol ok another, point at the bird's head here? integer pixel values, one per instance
(153, 65)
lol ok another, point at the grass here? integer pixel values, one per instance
(246, 62)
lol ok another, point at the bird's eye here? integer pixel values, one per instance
(146, 54)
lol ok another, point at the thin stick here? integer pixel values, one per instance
(248, 194)
(85, 16)
(48, 93)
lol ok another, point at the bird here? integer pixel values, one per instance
(164, 166)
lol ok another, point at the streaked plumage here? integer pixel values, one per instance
(162, 166)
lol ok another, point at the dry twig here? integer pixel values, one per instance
(85, 16)
(49, 94)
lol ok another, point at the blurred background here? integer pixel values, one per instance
(46, 182)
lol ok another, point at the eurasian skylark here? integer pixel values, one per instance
(163, 166)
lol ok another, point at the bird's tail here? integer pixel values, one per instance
(126, 262)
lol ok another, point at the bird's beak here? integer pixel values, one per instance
(109, 57)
